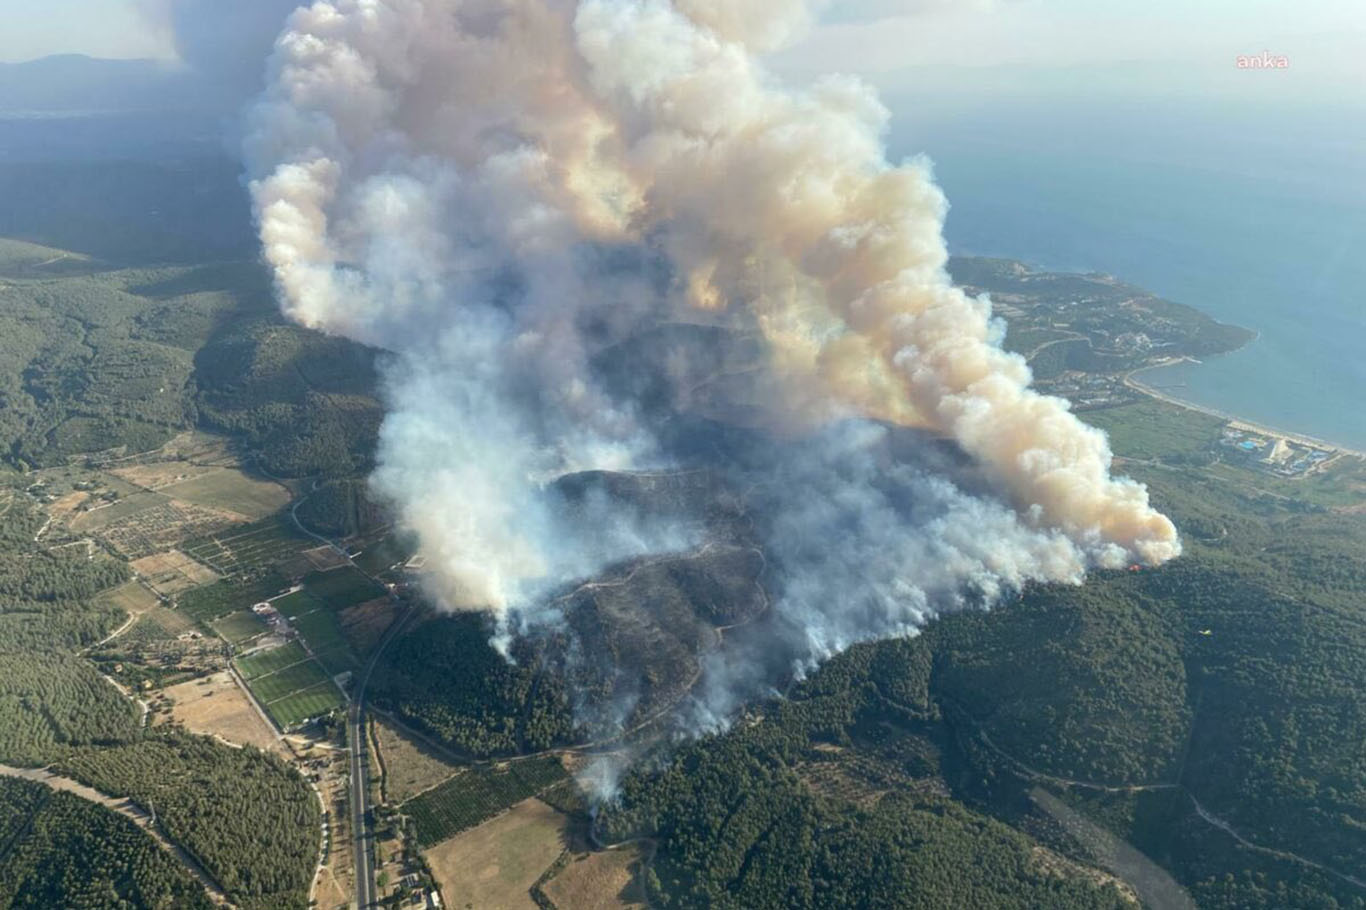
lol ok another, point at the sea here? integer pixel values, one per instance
(1254, 216)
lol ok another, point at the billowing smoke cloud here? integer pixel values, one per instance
(498, 191)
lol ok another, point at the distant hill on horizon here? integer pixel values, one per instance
(75, 83)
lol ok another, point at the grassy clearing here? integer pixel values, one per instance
(477, 795)
(264, 662)
(299, 707)
(238, 628)
(300, 676)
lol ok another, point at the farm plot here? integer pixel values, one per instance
(238, 628)
(299, 707)
(497, 865)
(215, 706)
(338, 661)
(172, 572)
(223, 597)
(263, 662)
(342, 588)
(605, 880)
(229, 488)
(477, 795)
(292, 606)
(131, 597)
(263, 544)
(322, 632)
(275, 686)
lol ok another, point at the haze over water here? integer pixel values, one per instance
(1257, 218)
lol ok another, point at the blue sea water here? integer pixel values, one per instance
(1255, 217)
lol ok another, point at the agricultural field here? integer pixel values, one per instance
(145, 523)
(410, 767)
(477, 795)
(292, 606)
(338, 661)
(342, 588)
(257, 546)
(365, 624)
(172, 573)
(262, 663)
(605, 880)
(381, 555)
(132, 598)
(300, 706)
(161, 623)
(232, 490)
(228, 596)
(215, 706)
(239, 628)
(291, 685)
(322, 631)
(497, 864)
(274, 686)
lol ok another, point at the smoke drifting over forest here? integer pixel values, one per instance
(501, 191)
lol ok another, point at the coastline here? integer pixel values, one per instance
(1235, 421)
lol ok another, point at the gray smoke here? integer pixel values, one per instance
(501, 191)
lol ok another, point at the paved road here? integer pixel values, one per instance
(362, 837)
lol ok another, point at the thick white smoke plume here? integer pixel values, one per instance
(499, 190)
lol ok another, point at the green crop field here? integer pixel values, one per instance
(297, 604)
(274, 686)
(210, 602)
(296, 708)
(321, 631)
(477, 795)
(338, 660)
(342, 588)
(263, 662)
(239, 627)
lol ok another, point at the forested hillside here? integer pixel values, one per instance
(58, 850)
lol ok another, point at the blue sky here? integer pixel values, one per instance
(881, 38)
(99, 28)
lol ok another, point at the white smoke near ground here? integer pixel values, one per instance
(497, 191)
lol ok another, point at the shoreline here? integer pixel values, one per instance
(1233, 420)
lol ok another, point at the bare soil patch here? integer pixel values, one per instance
(215, 706)
(493, 866)
(607, 880)
(410, 767)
